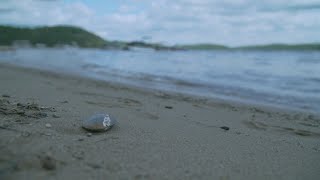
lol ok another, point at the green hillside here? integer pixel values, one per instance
(51, 36)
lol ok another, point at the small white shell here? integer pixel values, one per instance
(99, 122)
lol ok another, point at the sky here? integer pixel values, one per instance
(227, 22)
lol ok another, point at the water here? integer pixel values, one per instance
(278, 78)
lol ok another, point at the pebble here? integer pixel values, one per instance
(94, 165)
(225, 128)
(48, 163)
(40, 115)
(168, 107)
(20, 105)
(20, 112)
(55, 116)
(48, 125)
(78, 155)
(25, 134)
(64, 102)
(89, 134)
(53, 109)
(5, 96)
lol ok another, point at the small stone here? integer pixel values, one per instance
(43, 108)
(64, 102)
(42, 114)
(89, 134)
(48, 163)
(168, 107)
(55, 116)
(20, 105)
(78, 155)
(33, 106)
(48, 125)
(225, 128)
(39, 115)
(53, 109)
(80, 139)
(94, 165)
(5, 96)
(25, 134)
(21, 112)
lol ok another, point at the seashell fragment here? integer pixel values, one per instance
(99, 122)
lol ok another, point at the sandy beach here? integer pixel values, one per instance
(160, 135)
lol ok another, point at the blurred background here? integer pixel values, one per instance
(243, 50)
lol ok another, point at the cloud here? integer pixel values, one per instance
(231, 22)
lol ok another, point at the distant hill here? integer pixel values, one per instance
(51, 36)
(268, 47)
(75, 36)
(65, 35)
(275, 47)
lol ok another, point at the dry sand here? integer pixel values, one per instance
(159, 136)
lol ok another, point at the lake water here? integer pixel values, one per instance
(279, 78)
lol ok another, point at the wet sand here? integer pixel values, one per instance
(160, 135)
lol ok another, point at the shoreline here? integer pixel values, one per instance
(172, 93)
(245, 85)
(161, 135)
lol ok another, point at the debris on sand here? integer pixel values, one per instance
(32, 110)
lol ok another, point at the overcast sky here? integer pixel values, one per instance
(229, 22)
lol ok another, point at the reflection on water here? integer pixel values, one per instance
(283, 78)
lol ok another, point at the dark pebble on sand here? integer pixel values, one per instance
(20, 112)
(5, 96)
(41, 115)
(94, 166)
(55, 116)
(225, 128)
(20, 105)
(168, 107)
(33, 106)
(64, 102)
(48, 163)
(25, 134)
